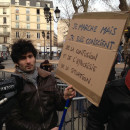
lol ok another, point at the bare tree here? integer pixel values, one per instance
(71, 7)
(123, 5)
(79, 5)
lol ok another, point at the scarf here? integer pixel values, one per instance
(127, 80)
(32, 78)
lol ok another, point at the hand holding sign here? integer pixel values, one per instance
(69, 92)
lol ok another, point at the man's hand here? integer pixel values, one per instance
(55, 128)
(69, 92)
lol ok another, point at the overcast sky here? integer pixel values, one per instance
(98, 6)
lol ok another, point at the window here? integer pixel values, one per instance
(17, 10)
(4, 11)
(27, 11)
(38, 4)
(27, 18)
(38, 26)
(17, 25)
(38, 35)
(28, 34)
(16, 2)
(5, 39)
(17, 17)
(28, 26)
(38, 18)
(38, 11)
(4, 20)
(27, 3)
(17, 34)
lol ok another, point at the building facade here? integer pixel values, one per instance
(5, 22)
(62, 31)
(28, 21)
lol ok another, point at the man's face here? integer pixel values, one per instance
(27, 62)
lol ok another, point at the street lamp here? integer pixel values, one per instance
(49, 18)
(43, 35)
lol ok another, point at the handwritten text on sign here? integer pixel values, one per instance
(81, 65)
(88, 54)
(78, 61)
(96, 34)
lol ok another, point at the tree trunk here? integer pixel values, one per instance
(75, 7)
(123, 5)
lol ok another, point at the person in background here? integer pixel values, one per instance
(119, 56)
(112, 75)
(126, 67)
(37, 104)
(46, 66)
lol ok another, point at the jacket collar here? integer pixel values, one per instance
(43, 73)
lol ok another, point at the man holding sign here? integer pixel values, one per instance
(37, 103)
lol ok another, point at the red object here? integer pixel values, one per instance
(127, 80)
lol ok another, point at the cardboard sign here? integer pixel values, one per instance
(89, 52)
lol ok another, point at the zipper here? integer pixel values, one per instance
(40, 104)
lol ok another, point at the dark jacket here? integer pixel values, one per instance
(113, 109)
(37, 105)
(5, 110)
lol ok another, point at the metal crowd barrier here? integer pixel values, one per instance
(75, 118)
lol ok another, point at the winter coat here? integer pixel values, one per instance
(37, 105)
(114, 108)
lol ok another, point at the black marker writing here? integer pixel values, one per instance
(75, 26)
(86, 27)
(87, 54)
(108, 30)
(80, 39)
(86, 65)
(100, 43)
(80, 75)
(69, 48)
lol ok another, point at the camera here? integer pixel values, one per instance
(10, 87)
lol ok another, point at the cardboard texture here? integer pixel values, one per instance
(89, 52)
